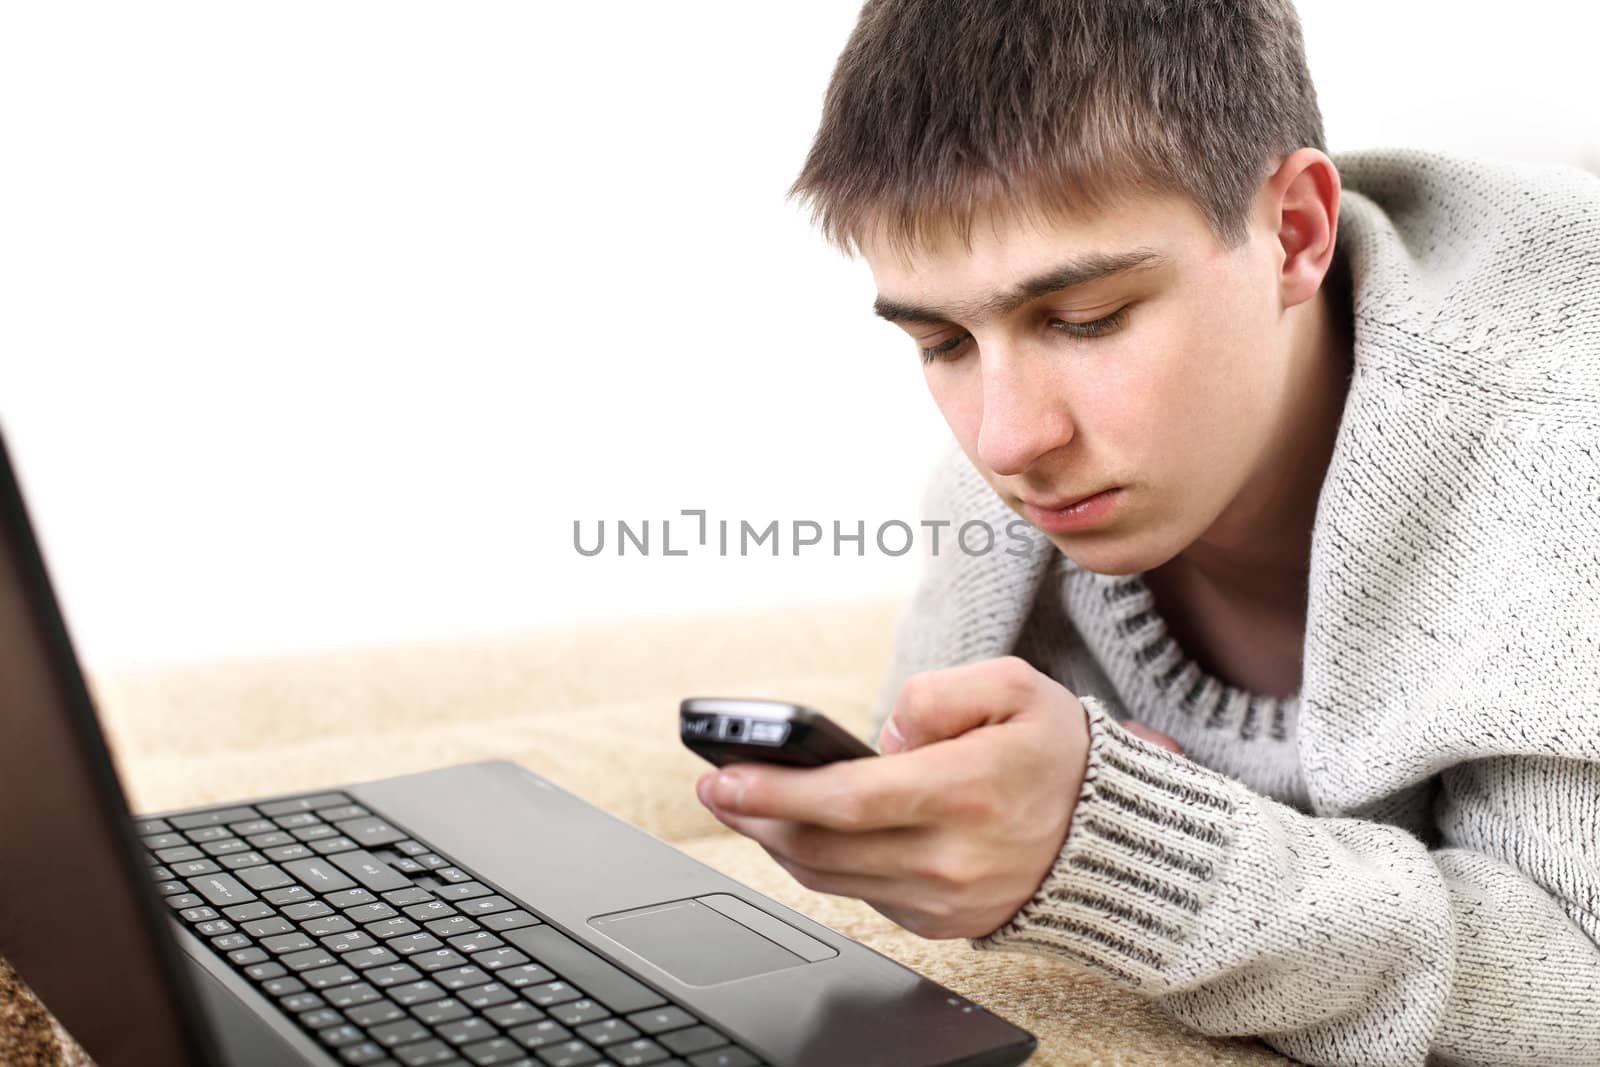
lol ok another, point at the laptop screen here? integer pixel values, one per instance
(78, 919)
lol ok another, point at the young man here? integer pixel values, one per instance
(1291, 720)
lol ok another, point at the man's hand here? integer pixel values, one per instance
(954, 829)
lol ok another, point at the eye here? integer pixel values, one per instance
(947, 351)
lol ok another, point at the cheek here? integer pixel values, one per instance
(959, 397)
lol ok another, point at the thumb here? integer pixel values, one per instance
(937, 705)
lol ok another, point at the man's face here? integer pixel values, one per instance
(1158, 384)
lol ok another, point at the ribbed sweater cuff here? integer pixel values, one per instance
(1149, 834)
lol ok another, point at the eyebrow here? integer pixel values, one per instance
(1075, 272)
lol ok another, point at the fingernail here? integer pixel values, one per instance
(727, 790)
(702, 789)
(892, 741)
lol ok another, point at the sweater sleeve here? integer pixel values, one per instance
(1335, 940)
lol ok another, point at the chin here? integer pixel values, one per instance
(1110, 554)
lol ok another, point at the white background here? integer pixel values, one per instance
(321, 322)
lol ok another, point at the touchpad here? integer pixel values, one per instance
(711, 939)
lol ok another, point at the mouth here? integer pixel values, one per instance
(1070, 514)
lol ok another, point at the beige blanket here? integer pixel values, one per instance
(593, 708)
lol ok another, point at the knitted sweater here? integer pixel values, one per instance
(1402, 864)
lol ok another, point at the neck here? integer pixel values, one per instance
(1259, 549)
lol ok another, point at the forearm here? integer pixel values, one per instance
(1338, 941)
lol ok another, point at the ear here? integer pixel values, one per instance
(1301, 205)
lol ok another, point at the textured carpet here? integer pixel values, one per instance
(593, 708)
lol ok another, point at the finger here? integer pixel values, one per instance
(1154, 736)
(881, 854)
(871, 793)
(937, 705)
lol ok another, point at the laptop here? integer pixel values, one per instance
(475, 914)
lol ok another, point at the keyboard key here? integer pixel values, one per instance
(577, 1012)
(194, 868)
(370, 832)
(269, 927)
(225, 847)
(495, 1050)
(230, 942)
(347, 941)
(429, 910)
(328, 977)
(426, 1052)
(262, 879)
(400, 1032)
(370, 871)
(315, 833)
(390, 928)
(549, 993)
(212, 818)
(286, 807)
(509, 920)
(151, 826)
(461, 977)
(464, 1031)
(484, 906)
(603, 981)
(327, 925)
(463, 891)
(289, 894)
(160, 841)
(214, 927)
(319, 875)
(637, 1053)
(415, 943)
(180, 901)
(694, 1039)
(171, 889)
(659, 1020)
(333, 845)
(298, 1002)
(363, 958)
(606, 1032)
(569, 1054)
(256, 909)
(311, 909)
(335, 1036)
(724, 1057)
(478, 942)
(261, 972)
(241, 860)
(507, 1016)
(279, 987)
(438, 959)
(253, 826)
(302, 961)
(416, 993)
(344, 811)
(182, 852)
(401, 898)
(450, 925)
(285, 853)
(441, 1011)
(349, 996)
(492, 993)
(525, 975)
(320, 1018)
(199, 914)
(366, 1052)
(370, 913)
(394, 974)
(544, 1033)
(450, 874)
(496, 958)
(376, 1013)
(210, 833)
(350, 898)
(245, 956)
(289, 943)
(297, 820)
(411, 848)
(270, 839)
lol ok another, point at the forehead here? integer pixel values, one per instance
(1005, 246)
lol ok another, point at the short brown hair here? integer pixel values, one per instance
(938, 108)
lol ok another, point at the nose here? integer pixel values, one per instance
(1023, 416)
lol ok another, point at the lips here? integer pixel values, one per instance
(1063, 503)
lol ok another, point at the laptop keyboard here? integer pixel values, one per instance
(386, 952)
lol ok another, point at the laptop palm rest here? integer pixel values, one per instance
(708, 940)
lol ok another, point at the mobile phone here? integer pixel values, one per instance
(731, 730)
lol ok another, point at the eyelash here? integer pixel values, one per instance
(1081, 331)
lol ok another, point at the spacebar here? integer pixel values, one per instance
(600, 980)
